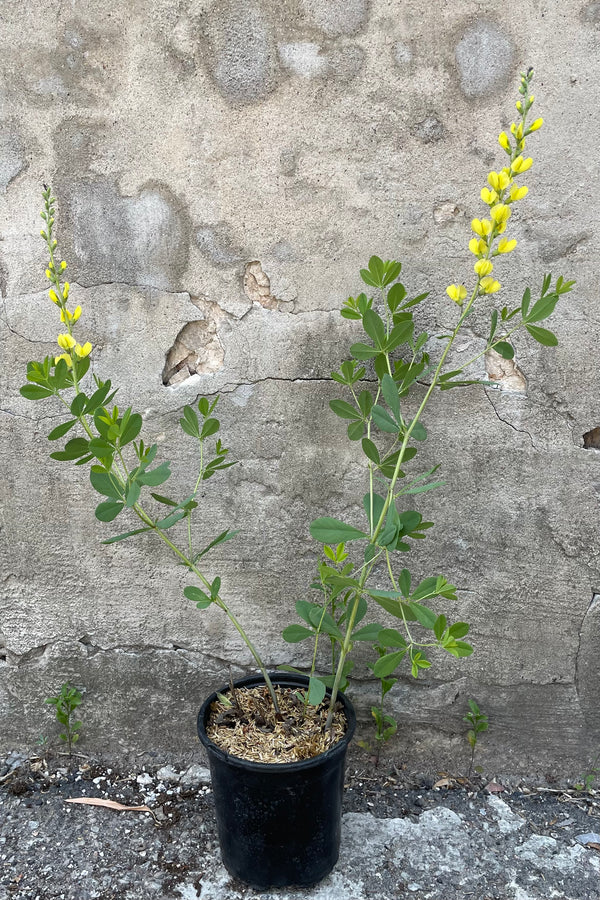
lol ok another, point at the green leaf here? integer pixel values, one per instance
(390, 395)
(383, 420)
(304, 609)
(396, 295)
(61, 430)
(133, 494)
(386, 664)
(363, 351)
(211, 426)
(423, 614)
(78, 404)
(439, 627)
(389, 637)
(109, 510)
(368, 278)
(370, 450)
(546, 283)
(400, 334)
(404, 582)
(505, 349)
(419, 432)
(132, 429)
(374, 327)
(459, 629)
(392, 271)
(191, 419)
(525, 302)
(196, 595)
(203, 408)
(331, 531)
(156, 476)
(344, 410)
(316, 691)
(104, 483)
(35, 392)
(293, 634)
(171, 519)
(367, 633)
(378, 504)
(409, 520)
(127, 534)
(365, 401)
(493, 325)
(100, 448)
(164, 500)
(215, 588)
(73, 449)
(542, 335)
(356, 430)
(543, 308)
(224, 536)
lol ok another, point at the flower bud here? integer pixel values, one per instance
(52, 295)
(503, 140)
(535, 125)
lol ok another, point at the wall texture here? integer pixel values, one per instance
(223, 170)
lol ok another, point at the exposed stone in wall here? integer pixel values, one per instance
(337, 17)
(403, 54)
(429, 129)
(303, 59)
(484, 56)
(446, 211)
(135, 240)
(197, 349)
(257, 287)
(505, 371)
(244, 65)
(590, 14)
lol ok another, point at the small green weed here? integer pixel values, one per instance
(65, 705)
(478, 722)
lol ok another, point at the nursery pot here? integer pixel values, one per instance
(278, 823)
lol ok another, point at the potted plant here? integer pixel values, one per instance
(277, 742)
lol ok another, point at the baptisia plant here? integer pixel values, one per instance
(387, 420)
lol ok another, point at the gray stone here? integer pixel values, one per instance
(590, 14)
(195, 775)
(403, 54)
(484, 57)
(429, 129)
(337, 17)
(244, 55)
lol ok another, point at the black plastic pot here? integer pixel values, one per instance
(278, 823)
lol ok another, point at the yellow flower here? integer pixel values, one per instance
(83, 351)
(65, 341)
(457, 292)
(489, 285)
(48, 273)
(483, 267)
(66, 358)
(65, 315)
(477, 246)
(77, 313)
(66, 289)
(52, 295)
(517, 193)
(531, 98)
(535, 125)
(501, 228)
(513, 128)
(519, 106)
(500, 213)
(506, 246)
(488, 197)
(499, 180)
(521, 165)
(519, 131)
(63, 265)
(482, 227)
(503, 140)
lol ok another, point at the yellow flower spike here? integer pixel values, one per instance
(482, 227)
(503, 140)
(52, 295)
(488, 197)
(83, 351)
(506, 246)
(483, 267)
(457, 292)
(500, 213)
(77, 313)
(521, 165)
(66, 358)
(66, 341)
(535, 125)
(517, 193)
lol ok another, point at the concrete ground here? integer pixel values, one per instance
(421, 837)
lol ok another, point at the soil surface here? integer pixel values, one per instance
(429, 837)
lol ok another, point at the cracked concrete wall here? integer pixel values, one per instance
(223, 170)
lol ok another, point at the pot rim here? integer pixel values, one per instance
(285, 678)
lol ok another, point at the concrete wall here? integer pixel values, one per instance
(223, 170)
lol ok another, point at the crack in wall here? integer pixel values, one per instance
(510, 424)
